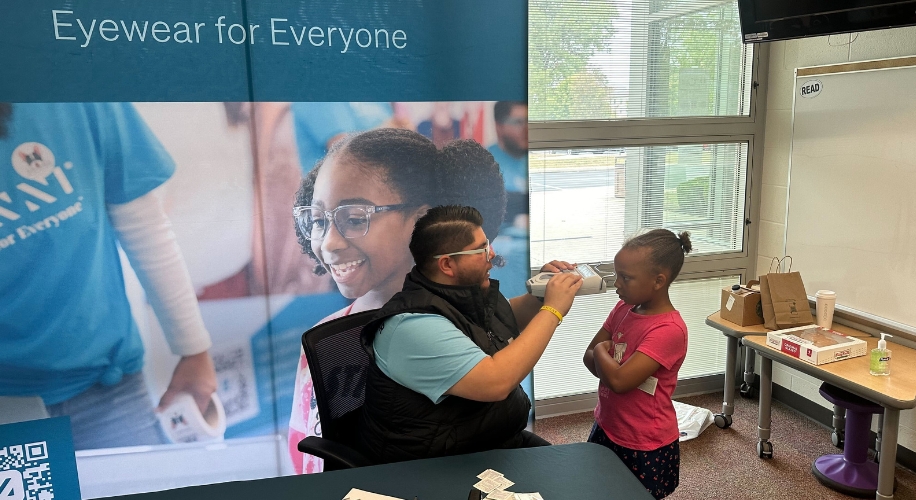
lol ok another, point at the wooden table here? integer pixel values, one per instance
(894, 392)
(733, 334)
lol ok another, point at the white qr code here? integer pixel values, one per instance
(25, 473)
(236, 382)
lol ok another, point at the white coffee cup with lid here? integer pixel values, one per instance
(825, 301)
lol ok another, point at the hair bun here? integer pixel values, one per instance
(686, 245)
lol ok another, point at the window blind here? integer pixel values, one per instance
(585, 202)
(560, 371)
(616, 59)
(667, 64)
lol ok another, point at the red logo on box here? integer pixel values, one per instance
(808, 353)
(790, 348)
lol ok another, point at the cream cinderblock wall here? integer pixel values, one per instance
(785, 57)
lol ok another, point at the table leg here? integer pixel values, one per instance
(724, 420)
(764, 446)
(747, 388)
(888, 454)
(878, 438)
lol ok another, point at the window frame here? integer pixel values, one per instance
(575, 134)
(673, 132)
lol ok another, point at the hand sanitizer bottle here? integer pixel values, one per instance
(880, 361)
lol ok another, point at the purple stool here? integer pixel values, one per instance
(850, 473)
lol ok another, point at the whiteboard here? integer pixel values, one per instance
(851, 219)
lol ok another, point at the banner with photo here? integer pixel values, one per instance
(154, 283)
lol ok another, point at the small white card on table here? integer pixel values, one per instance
(356, 494)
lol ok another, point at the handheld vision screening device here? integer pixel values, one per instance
(594, 280)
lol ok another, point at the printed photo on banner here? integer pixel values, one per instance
(185, 247)
(172, 192)
(403, 159)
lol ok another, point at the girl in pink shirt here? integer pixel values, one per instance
(636, 356)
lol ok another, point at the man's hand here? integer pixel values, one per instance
(556, 266)
(527, 306)
(561, 290)
(196, 376)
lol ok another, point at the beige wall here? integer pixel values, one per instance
(785, 57)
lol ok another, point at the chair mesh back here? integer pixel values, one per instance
(338, 365)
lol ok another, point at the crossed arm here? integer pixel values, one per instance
(619, 378)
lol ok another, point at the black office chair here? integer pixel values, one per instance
(338, 364)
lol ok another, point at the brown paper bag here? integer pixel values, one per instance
(783, 298)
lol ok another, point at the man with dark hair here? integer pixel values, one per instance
(511, 148)
(447, 351)
(511, 152)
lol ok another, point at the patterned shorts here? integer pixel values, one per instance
(657, 470)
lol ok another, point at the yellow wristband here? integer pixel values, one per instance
(554, 312)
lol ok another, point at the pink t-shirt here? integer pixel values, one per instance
(637, 419)
(304, 420)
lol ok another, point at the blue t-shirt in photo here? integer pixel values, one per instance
(515, 170)
(316, 123)
(64, 316)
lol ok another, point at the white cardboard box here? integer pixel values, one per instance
(816, 345)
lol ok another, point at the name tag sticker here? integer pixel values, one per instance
(649, 386)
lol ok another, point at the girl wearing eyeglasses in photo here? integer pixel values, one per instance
(354, 215)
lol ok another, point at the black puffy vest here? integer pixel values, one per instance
(400, 424)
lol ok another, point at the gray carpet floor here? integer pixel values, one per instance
(723, 463)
